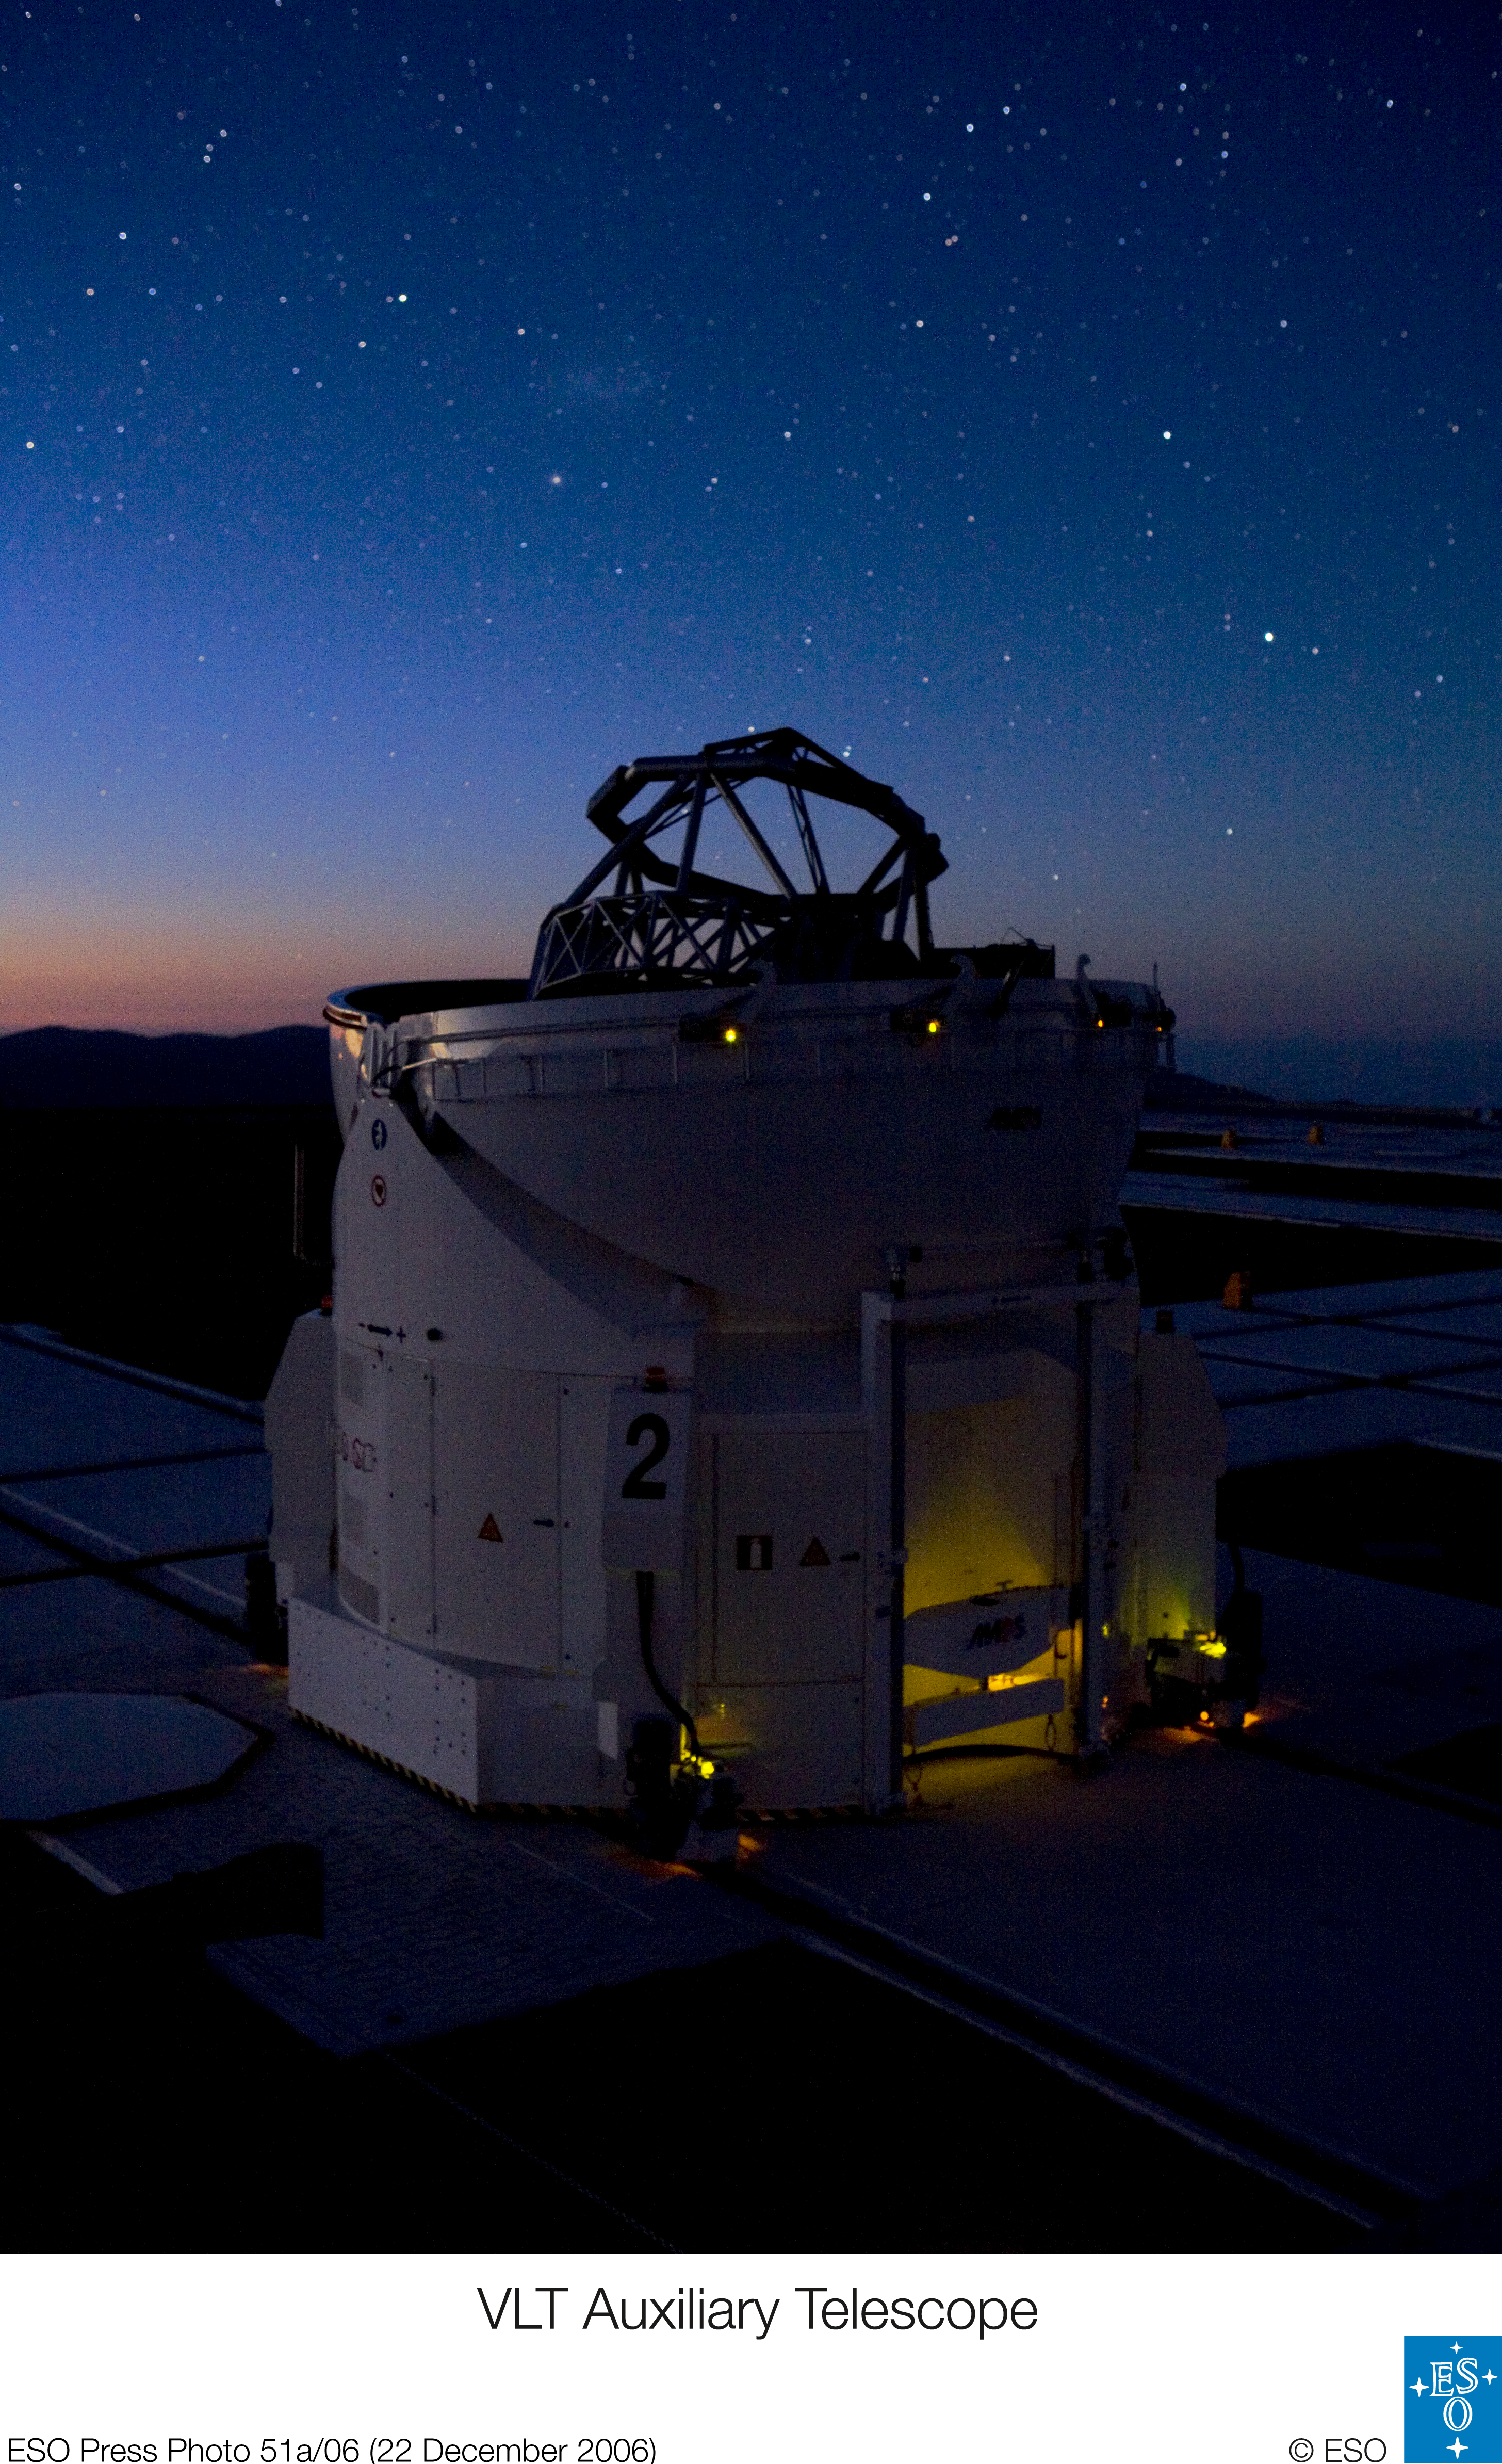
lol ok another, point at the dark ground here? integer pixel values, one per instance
(1187, 1257)
(777, 2099)
(1408, 1514)
(165, 1237)
(801, 2102)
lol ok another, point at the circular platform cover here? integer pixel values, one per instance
(80, 1753)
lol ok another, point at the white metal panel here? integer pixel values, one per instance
(790, 1535)
(401, 1703)
(981, 1490)
(879, 1743)
(983, 1637)
(380, 1153)
(647, 1479)
(299, 1425)
(966, 1715)
(789, 1745)
(485, 1737)
(318, 1681)
(583, 1419)
(408, 1587)
(1174, 1533)
(495, 1483)
(538, 1742)
(1181, 1423)
(1181, 1443)
(359, 1448)
(781, 1170)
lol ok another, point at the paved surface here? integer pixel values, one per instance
(1179, 1195)
(1369, 1670)
(1268, 1934)
(70, 1753)
(434, 1920)
(1302, 1373)
(1304, 1945)
(1310, 1946)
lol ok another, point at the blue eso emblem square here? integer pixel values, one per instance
(1452, 2400)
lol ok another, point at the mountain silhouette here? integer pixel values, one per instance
(68, 1069)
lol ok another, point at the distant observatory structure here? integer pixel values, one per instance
(734, 1378)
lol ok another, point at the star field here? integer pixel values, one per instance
(405, 415)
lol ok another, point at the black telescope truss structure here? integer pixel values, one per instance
(646, 920)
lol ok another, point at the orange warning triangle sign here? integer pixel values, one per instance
(815, 1555)
(490, 1528)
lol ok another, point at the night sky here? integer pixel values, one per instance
(1087, 419)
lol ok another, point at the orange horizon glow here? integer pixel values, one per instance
(158, 975)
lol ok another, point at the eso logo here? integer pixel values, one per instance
(1452, 2400)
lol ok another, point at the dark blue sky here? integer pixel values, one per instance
(1086, 418)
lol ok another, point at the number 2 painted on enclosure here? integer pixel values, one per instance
(647, 1424)
(646, 1464)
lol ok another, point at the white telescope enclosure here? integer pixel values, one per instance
(734, 1316)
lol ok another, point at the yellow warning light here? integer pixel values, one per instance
(733, 1035)
(933, 1027)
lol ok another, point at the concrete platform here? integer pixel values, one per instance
(1309, 1948)
(1265, 1932)
(1417, 1362)
(62, 1755)
(434, 1919)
